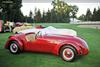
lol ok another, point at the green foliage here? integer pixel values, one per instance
(95, 16)
(37, 16)
(30, 14)
(82, 17)
(88, 15)
(60, 13)
(74, 10)
(11, 10)
(28, 19)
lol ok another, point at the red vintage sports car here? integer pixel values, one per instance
(66, 46)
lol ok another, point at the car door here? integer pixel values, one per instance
(30, 38)
(43, 45)
(36, 42)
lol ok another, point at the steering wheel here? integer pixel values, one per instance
(37, 35)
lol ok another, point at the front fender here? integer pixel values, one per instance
(13, 38)
(71, 43)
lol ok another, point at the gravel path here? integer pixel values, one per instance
(90, 26)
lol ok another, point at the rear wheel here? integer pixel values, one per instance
(68, 53)
(14, 48)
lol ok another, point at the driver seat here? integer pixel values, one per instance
(30, 37)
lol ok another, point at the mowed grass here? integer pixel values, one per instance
(92, 36)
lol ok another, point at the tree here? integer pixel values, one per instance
(30, 14)
(98, 14)
(43, 16)
(94, 15)
(48, 16)
(62, 10)
(59, 13)
(37, 16)
(11, 10)
(88, 15)
(74, 10)
(82, 17)
(53, 16)
(0, 8)
(91, 17)
(29, 18)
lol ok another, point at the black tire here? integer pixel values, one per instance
(16, 32)
(14, 48)
(68, 53)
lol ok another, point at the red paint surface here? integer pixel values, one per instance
(0, 26)
(49, 44)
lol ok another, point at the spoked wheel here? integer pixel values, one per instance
(68, 53)
(14, 49)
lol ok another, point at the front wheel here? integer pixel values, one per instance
(14, 48)
(68, 53)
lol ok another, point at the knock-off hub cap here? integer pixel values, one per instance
(68, 54)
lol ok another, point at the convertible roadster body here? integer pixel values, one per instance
(66, 46)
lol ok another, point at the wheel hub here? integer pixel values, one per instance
(68, 54)
(13, 48)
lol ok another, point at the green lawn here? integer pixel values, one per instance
(92, 36)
